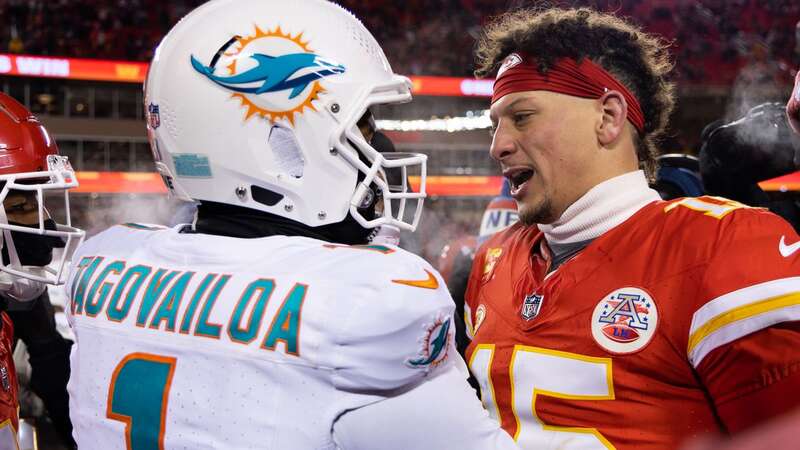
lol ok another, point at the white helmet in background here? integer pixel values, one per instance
(255, 103)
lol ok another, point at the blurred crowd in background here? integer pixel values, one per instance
(713, 39)
(749, 49)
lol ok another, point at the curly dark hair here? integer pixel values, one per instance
(638, 60)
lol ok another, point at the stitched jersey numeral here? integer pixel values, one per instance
(538, 372)
(137, 396)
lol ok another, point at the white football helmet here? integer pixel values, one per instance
(255, 103)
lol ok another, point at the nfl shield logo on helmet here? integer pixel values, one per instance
(153, 117)
(531, 306)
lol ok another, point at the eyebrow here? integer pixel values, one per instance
(510, 106)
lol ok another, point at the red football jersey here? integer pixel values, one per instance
(659, 330)
(9, 405)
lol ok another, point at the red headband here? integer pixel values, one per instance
(586, 80)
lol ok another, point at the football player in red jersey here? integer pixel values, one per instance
(609, 318)
(30, 167)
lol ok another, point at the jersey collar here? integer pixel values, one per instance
(602, 208)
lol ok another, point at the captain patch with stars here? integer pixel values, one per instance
(625, 320)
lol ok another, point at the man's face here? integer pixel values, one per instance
(545, 143)
(21, 207)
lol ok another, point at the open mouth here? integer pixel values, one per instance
(518, 178)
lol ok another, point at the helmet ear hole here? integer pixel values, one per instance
(265, 196)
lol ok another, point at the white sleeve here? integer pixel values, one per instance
(393, 333)
(442, 412)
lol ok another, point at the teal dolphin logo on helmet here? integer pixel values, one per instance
(274, 73)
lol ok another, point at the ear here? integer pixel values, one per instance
(615, 116)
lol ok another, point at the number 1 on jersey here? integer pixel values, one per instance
(137, 396)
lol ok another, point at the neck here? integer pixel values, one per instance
(235, 221)
(602, 208)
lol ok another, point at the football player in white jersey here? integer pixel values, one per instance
(273, 321)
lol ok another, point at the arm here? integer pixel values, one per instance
(745, 337)
(439, 413)
(755, 378)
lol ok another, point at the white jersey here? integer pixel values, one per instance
(197, 341)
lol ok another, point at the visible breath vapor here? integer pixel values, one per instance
(95, 214)
(758, 82)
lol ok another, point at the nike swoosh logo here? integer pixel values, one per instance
(787, 250)
(428, 283)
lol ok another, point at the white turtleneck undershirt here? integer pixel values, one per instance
(600, 209)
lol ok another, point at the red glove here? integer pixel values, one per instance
(793, 107)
